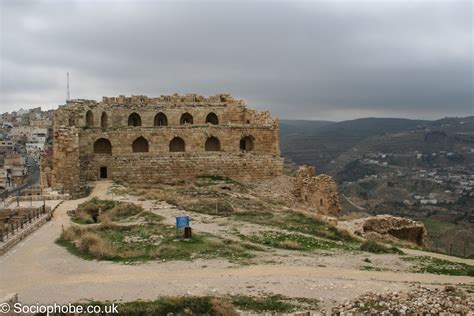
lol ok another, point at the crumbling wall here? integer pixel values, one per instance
(316, 192)
(80, 123)
(397, 227)
(46, 167)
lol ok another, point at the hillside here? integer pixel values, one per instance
(319, 142)
(419, 169)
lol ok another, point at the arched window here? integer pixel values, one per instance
(71, 121)
(177, 144)
(212, 119)
(134, 120)
(161, 119)
(186, 118)
(140, 145)
(89, 119)
(102, 146)
(247, 143)
(212, 144)
(104, 120)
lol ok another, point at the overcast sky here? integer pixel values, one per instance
(331, 60)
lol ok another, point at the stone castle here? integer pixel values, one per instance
(166, 139)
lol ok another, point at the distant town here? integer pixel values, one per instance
(24, 136)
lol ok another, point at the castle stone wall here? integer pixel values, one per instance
(245, 142)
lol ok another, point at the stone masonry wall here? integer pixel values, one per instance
(79, 124)
(316, 192)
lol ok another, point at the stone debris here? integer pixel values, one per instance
(388, 228)
(420, 300)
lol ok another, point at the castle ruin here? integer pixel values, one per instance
(166, 139)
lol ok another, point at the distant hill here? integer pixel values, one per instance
(301, 127)
(414, 168)
(318, 142)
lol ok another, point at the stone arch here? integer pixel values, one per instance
(160, 119)
(140, 145)
(177, 144)
(134, 119)
(104, 120)
(247, 143)
(103, 146)
(212, 118)
(89, 119)
(212, 144)
(186, 118)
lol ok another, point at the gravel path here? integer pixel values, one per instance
(40, 271)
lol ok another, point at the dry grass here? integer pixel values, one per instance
(72, 233)
(123, 210)
(92, 243)
(290, 244)
(221, 307)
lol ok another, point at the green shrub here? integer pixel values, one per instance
(375, 247)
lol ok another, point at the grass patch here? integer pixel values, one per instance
(295, 242)
(147, 240)
(95, 211)
(375, 247)
(213, 306)
(184, 305)
(273, 303)
(425, 264)
(203, 181)
(221, 208)
(294, 221)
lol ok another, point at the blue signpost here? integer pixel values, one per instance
(182, 221)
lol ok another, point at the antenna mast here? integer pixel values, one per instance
(68, 97)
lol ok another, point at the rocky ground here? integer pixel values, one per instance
(418, 300)
(39, 270)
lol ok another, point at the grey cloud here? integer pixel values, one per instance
(304, 59)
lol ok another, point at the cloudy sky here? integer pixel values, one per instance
(300, 59)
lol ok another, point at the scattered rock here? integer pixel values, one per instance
(419, 300)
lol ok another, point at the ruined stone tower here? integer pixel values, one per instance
(165, 139)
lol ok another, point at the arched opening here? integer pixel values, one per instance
(161, 119)
(104, 120)
(134, 120)
(186, 118)
(177, 144)
(89, 119)
(212, 144)
(140, 145)
(103, 146)
(247, 143)
(212, 119)
(71, 121)
(320, 202)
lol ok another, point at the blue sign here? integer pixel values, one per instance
(182, 221)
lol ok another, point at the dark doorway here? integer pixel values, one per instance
(103, 172)
(247, 143)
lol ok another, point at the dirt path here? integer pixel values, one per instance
(40, 271)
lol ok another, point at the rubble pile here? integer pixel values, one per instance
(388, 228)
(418, 301)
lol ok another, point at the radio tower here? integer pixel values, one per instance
(68, 97)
